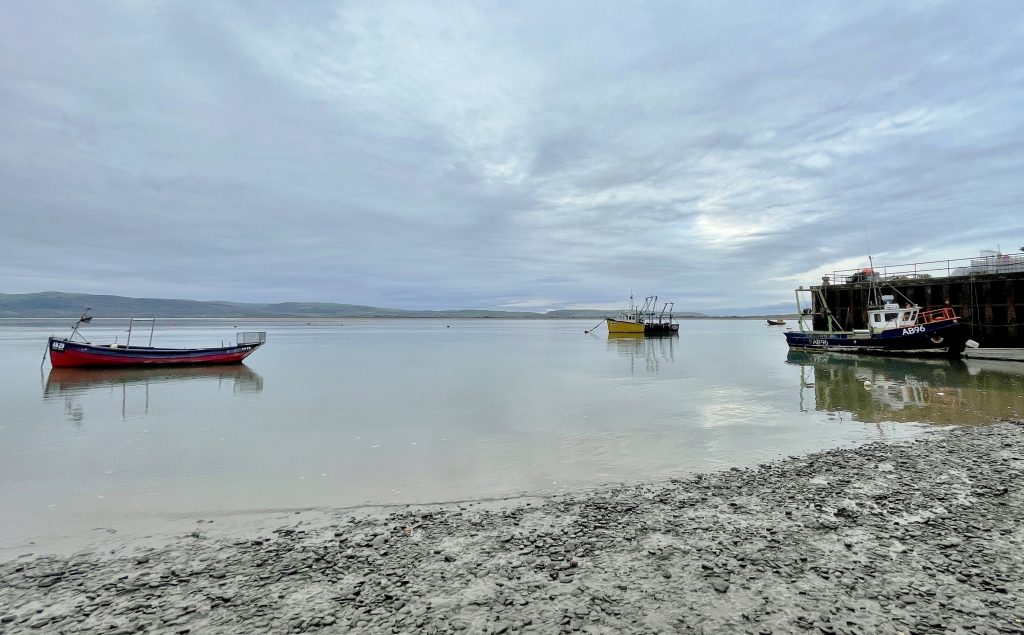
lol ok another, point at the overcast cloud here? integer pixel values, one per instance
(541, 155)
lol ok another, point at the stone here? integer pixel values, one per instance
(728, 528)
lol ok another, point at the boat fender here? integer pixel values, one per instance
(972, 344)
(114, 345)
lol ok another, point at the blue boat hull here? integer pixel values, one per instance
(938, 339)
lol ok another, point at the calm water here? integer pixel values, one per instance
(344, 412)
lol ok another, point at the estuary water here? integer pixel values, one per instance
(337, 413)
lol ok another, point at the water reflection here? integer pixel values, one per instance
(76, 384)
(876, 389)
(644, 352)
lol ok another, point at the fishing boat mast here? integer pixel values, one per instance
(85, 319)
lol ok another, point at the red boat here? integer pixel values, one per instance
(66, 352)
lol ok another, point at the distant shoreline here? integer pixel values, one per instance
(251, 318)
(52, 304)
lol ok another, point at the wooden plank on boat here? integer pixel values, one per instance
(1008, 354)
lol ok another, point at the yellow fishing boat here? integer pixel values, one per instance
(645, 319)
(624, 326)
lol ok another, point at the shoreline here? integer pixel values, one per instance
(921, 536)
(292, 318)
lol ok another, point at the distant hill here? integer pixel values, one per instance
(56, 304)
(597, 314)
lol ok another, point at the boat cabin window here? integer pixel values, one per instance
(881, 320)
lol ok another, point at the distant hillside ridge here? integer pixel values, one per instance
(63, 305)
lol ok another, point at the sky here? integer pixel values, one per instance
(501, 155)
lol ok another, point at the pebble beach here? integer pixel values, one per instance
(921, 536)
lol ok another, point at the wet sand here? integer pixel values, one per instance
(912, 537)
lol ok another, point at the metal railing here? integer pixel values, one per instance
(251, 337)
(987, 263)
(936, 315)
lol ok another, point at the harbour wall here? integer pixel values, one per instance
(990, 305)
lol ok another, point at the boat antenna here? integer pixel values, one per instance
(873, 294)
(876, 296)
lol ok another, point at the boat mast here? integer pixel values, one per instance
(873, 293)
(85, 319)
(800, 311)
(831, 319)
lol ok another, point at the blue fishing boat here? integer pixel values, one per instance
(891, 329)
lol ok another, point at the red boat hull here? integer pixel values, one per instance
(67, 354)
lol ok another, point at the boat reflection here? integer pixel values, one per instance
(877, 389)
(650, 352)
(70, 380)
(72, 384)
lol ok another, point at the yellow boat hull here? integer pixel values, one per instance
(618, 326)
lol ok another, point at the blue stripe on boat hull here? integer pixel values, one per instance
(939, 339)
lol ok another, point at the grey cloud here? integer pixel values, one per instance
(443, 155)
